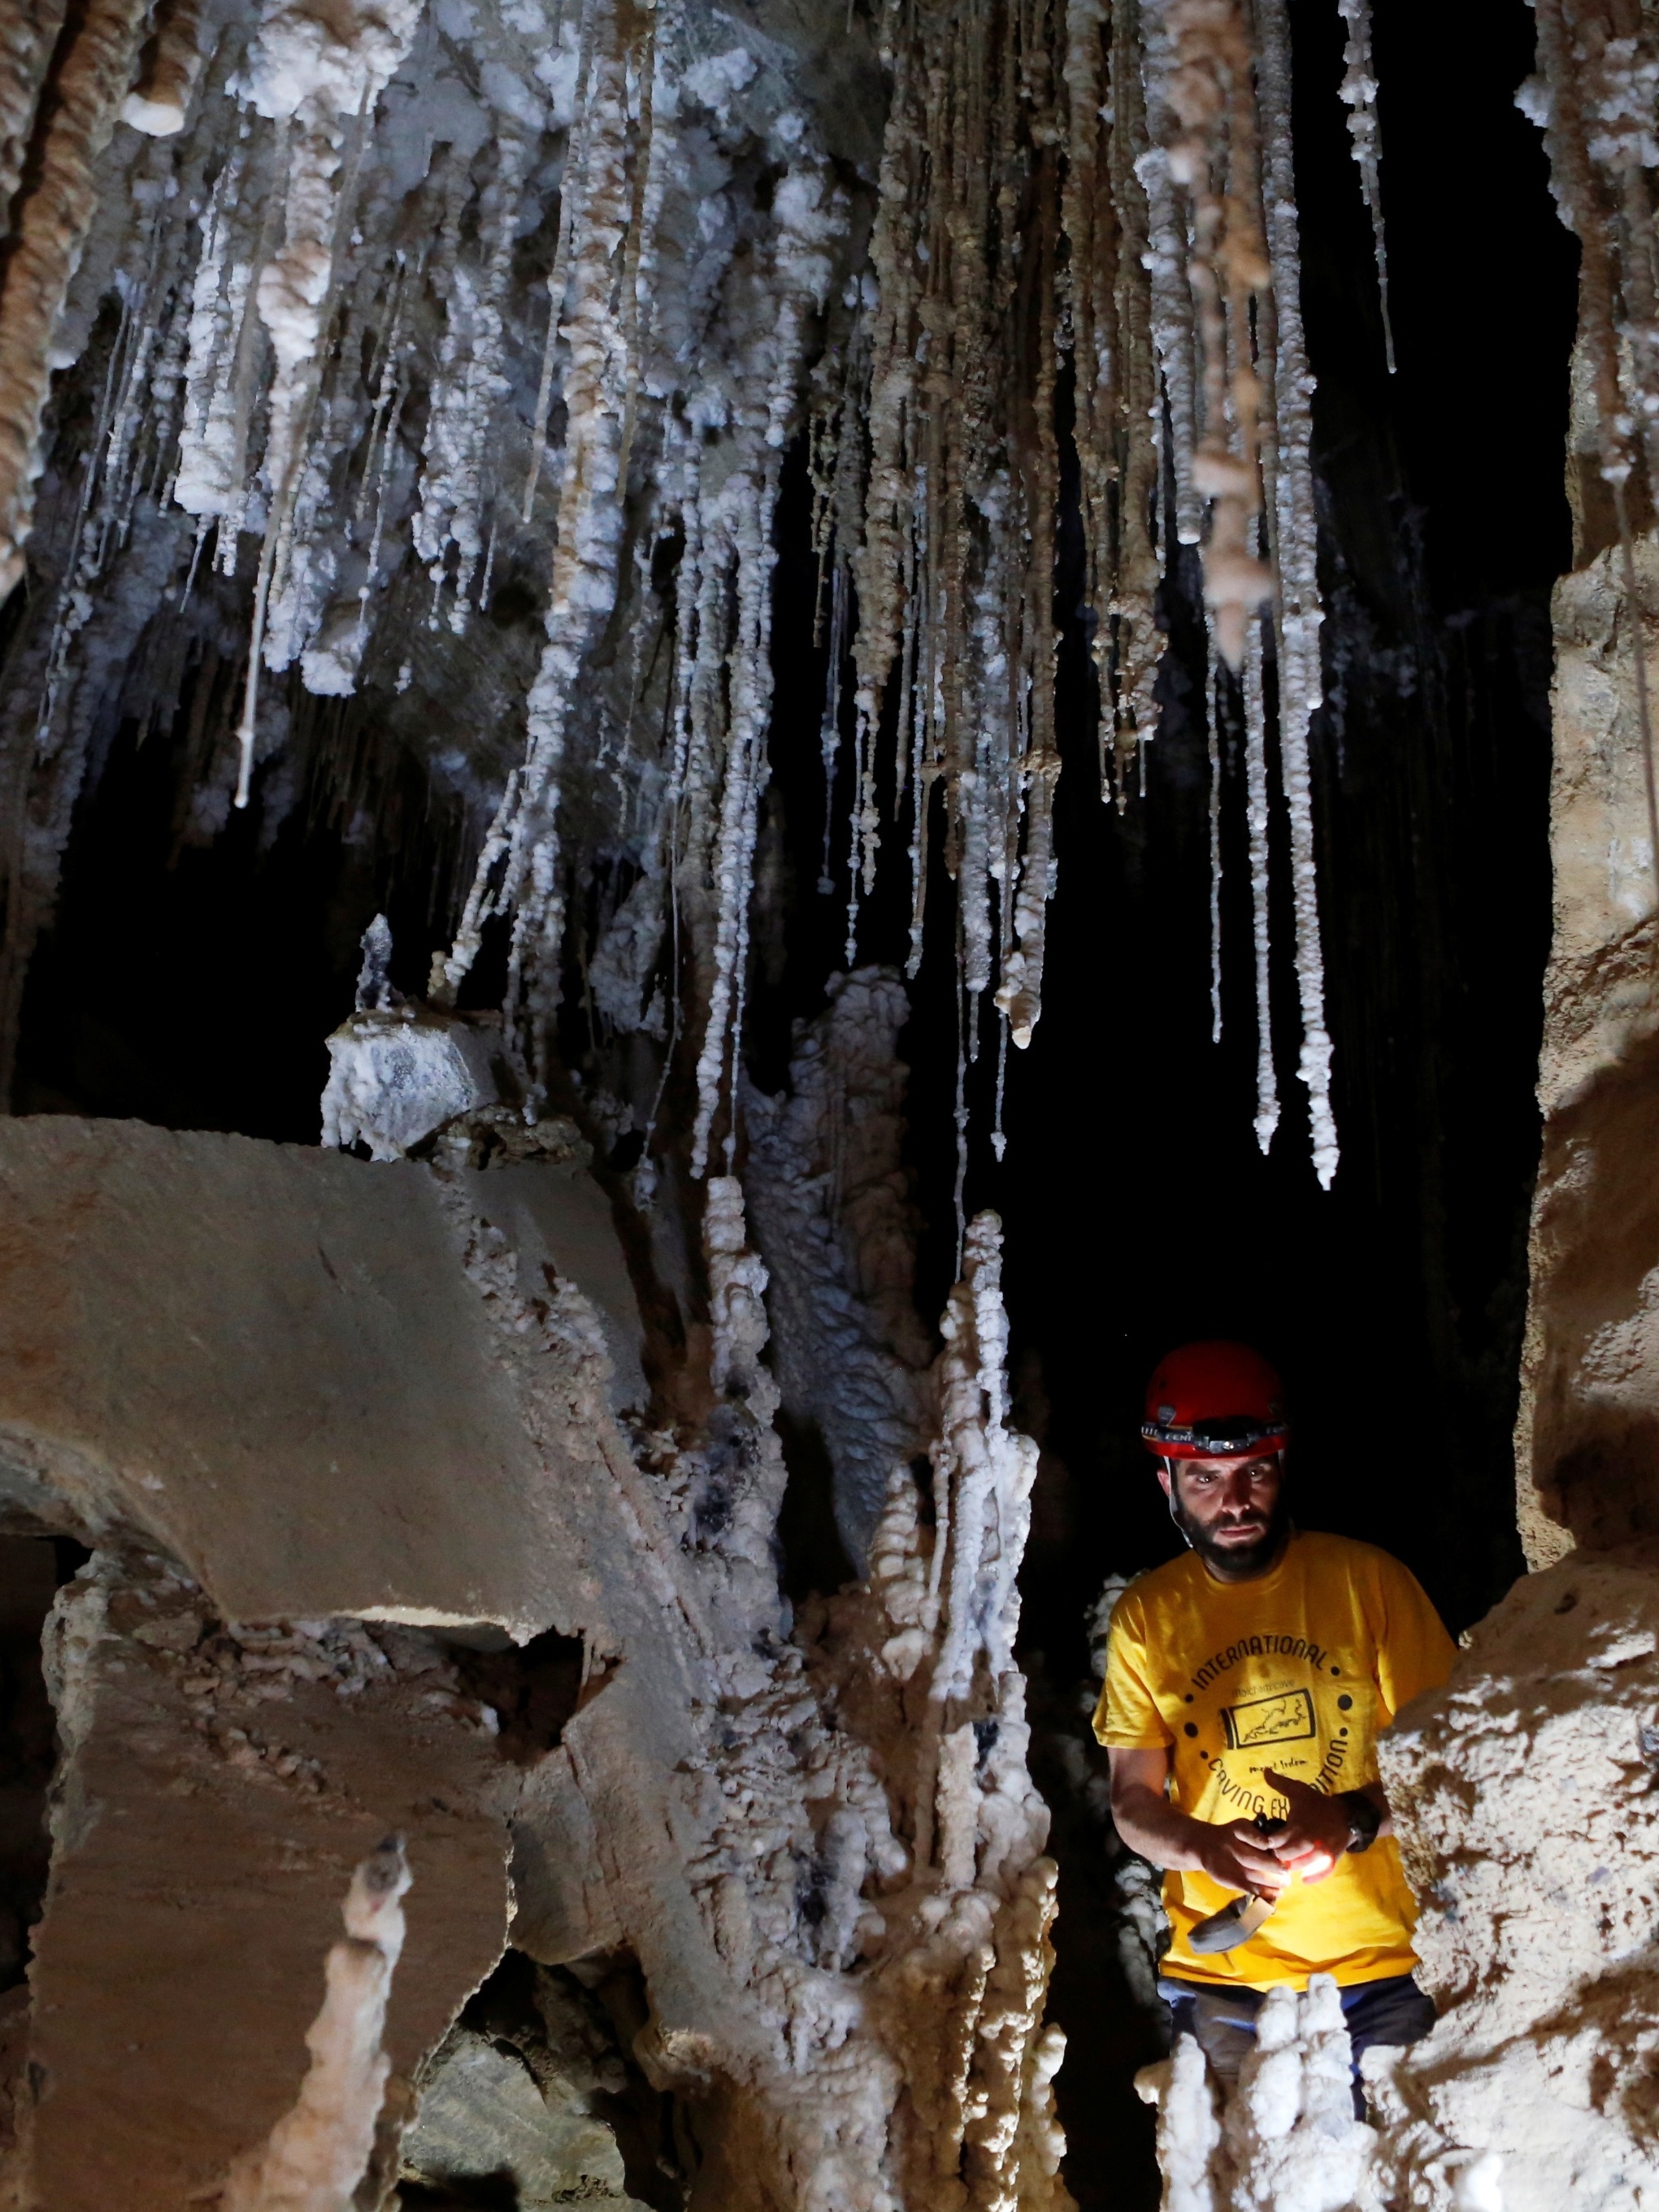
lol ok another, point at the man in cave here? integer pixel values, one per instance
(1246, 1683)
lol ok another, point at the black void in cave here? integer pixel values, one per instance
(192, 985)
(32, 1570)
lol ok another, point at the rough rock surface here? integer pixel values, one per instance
(270, 1359)
(1530, 1826)
(832, 1209)
(217, 1787)
(483, 2116)
(1587, 1436)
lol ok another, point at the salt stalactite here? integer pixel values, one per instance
(469, 382)
(1358, 95)
(316, 2154)
(28, 36)
(108, 480)
(159, 101)
(954, 563)
(1257, 817)
(1202, 110)
(1104, 216)
(1174, 338)
(1182, 295)
(307, 567)
(320, 84)
(1294, 536)
(1596, 105)
(728, 747)
(75, 113)
(209, 475)
(1171, 290)
(1212, 720)
(747, 501)
(518, 867)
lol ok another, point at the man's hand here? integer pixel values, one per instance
(1315, 1832)
(1239, 1857)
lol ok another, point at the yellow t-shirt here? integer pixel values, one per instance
(1298, 1670)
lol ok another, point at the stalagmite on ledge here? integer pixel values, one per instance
(317, 2154)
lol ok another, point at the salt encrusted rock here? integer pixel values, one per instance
(1525, 1792)
(397, 1074)
(1286, 2138)
(484, 2117)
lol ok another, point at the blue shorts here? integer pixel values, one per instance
(1223, 2020)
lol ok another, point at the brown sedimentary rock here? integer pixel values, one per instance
(319, 2152)
(268, 1358)
(50, 216)
(1588, 1439)
(217, 1789)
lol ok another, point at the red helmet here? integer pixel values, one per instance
(1215, 1400)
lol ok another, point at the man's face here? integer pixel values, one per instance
(1230, 1510)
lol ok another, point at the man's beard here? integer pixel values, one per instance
(1235, 1563)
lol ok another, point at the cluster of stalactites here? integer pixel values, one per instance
(1113, 183)
(699, 856)
(602, 323)
(1062, 182)
(937, 478)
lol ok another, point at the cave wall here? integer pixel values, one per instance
(1586, 1438)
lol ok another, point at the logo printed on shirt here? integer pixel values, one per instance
(1287, 1719)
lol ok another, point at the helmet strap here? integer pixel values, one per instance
(1175, 1513)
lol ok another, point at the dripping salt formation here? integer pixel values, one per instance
(1035, 192)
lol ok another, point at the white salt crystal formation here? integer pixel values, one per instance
(319, 2153)
(396, 1075)
(1286, 2138)
(1531, 1834)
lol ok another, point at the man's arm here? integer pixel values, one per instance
(1234, 1854)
